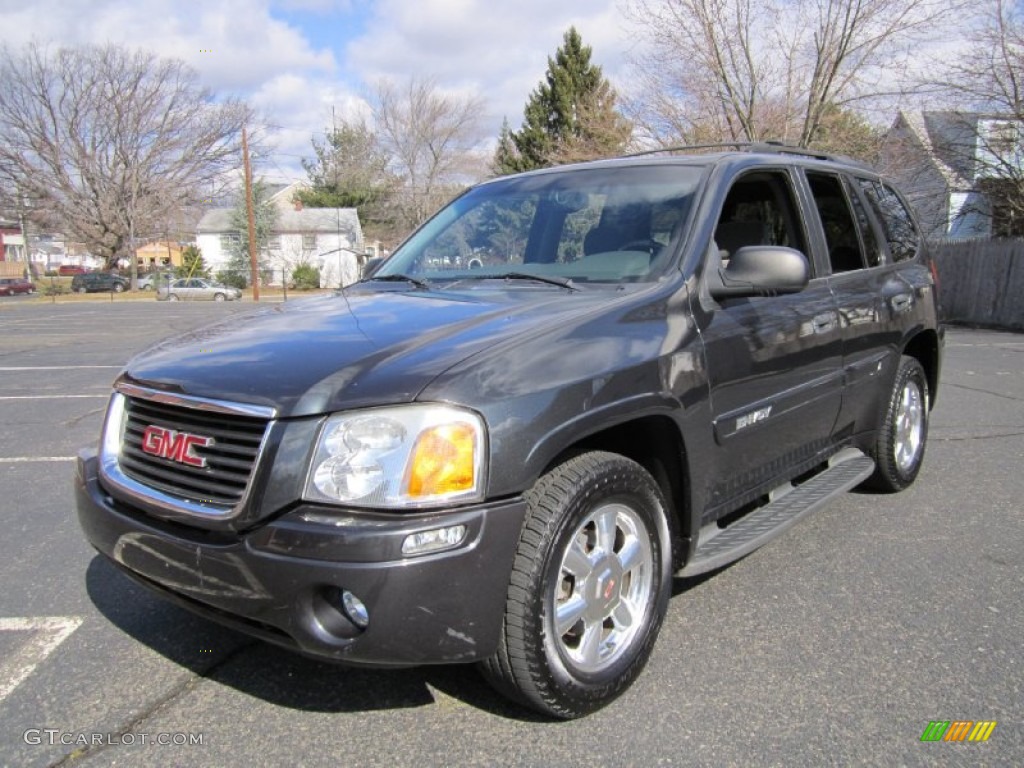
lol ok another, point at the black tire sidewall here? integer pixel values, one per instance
(576, 690)
(892, 476)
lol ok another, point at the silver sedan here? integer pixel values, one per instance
(196, 289)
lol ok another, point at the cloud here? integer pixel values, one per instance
(314, 6)
(236, 45)
(297, 108)
(295, 59)
(499, 50)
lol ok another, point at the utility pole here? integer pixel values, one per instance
(249, 214)
(25, 254)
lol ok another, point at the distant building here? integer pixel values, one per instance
(11, 248)
(330, 239)
(158, 253)
(958, 169)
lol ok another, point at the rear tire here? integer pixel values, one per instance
(589, 587)
(899, 446)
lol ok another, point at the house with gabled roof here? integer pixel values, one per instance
(954, 167)
(330, 239)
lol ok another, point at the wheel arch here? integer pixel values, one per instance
(924, 347)
(655, 443)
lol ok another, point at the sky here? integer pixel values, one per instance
(295, 60)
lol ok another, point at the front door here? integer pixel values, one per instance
(774, 363)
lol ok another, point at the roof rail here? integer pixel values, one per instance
(691, 148)
(770, 147)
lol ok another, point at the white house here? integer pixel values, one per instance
(330, 239)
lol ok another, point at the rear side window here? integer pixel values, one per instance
(900, 232)
(872, 250)
(842, 235)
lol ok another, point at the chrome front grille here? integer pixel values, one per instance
(215, 474)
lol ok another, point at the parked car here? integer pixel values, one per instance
(659, 365)
(96, 282)
(153, 279)
(9, 286)
(66, 270)
(197, 289)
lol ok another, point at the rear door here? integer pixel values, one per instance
(774, 364)
(876, 302)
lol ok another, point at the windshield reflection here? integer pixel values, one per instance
(597, 225)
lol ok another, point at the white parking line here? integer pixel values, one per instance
(47, 633)
(54, 367)
(30, 459)
(53, 397)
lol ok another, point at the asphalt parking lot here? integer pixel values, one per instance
(835, 645)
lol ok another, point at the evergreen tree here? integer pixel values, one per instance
(570, 116)
(192, 263)
(350, 170)
(506, 156)
(265, 216)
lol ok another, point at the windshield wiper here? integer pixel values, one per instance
(561, 282)
(397, 279)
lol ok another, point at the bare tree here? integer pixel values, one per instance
(430, 139)
(111, 140)
(746, 70)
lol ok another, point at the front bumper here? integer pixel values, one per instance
(282, 581)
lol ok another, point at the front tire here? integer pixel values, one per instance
(589, 587)
(173, 297)
(219, 297)
(900, 443)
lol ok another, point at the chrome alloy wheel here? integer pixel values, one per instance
(909, 426)
(604, 587)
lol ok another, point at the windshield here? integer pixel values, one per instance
(602, 225)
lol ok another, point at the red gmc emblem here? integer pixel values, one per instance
(176, 446)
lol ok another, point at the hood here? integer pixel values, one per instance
(315, 356)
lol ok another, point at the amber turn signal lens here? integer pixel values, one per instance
(443, 461)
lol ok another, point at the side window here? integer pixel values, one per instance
(841, 230)
(900, 232)
(872, 250)
(759, 210)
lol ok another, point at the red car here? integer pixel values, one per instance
(71, 269)
(12, 285)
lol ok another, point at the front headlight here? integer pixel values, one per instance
(401, 456)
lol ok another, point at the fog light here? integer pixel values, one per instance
(433, 540)
(354, 609)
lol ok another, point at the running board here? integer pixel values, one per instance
(787, 505)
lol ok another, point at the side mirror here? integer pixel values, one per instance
(760, 270)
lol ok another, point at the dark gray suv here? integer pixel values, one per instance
(96, 282)
(563, 389)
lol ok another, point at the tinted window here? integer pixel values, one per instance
(841, 231)
(872, 250)
(759, 210)
(897, 223)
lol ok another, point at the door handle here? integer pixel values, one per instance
(901, 302)
(823, 323)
